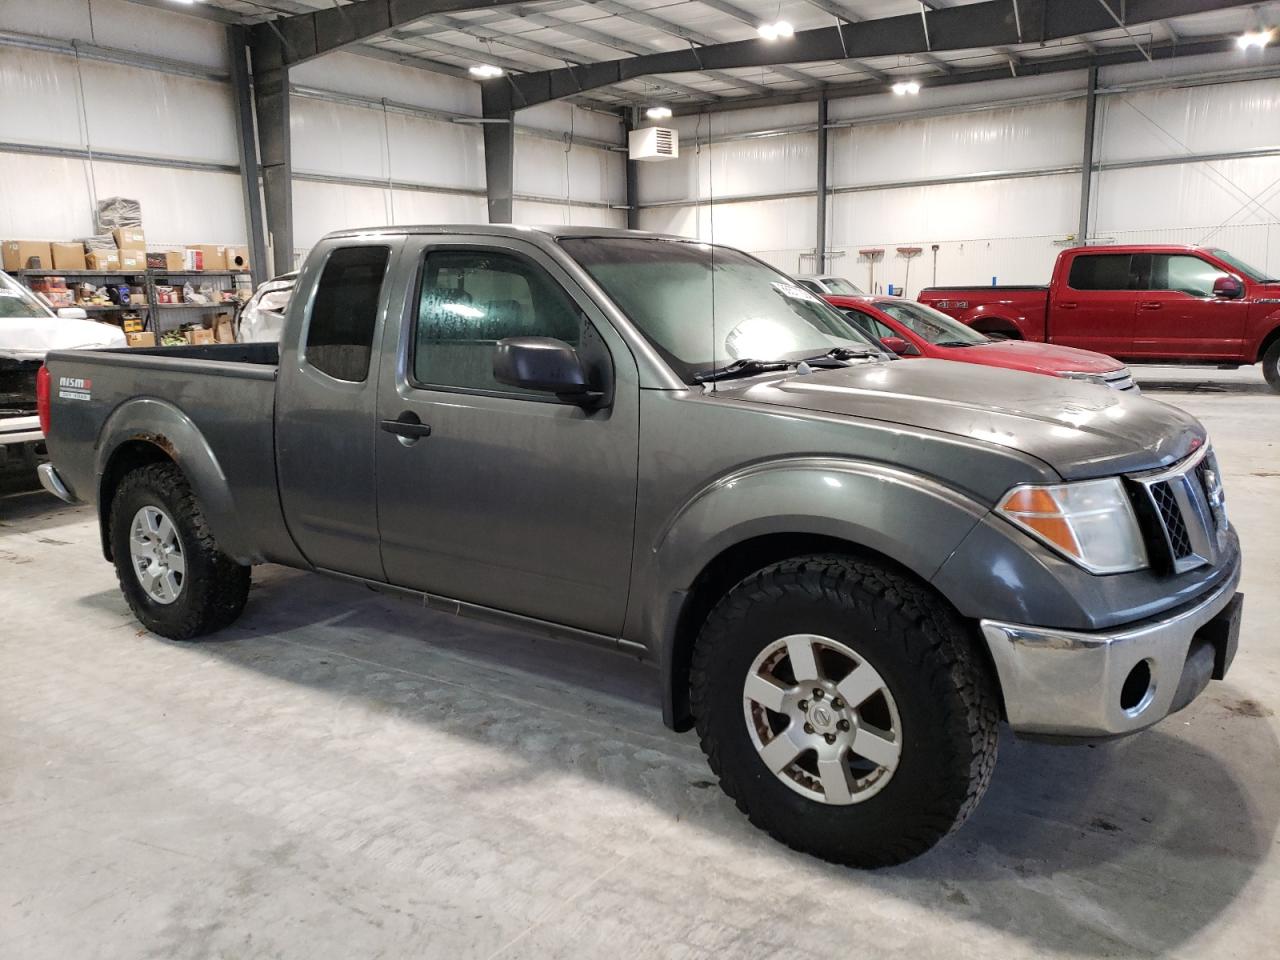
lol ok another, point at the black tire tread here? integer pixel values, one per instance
(1271, 366)
(937, 643)
(219, 598)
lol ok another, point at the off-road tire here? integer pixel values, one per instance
(945, 696)
(1271, 366)
(215, 587)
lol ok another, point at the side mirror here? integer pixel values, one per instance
(72, 313)
(543, 364)
(896, 344)
(1228, 288)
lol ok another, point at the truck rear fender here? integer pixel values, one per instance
(144, 430)
(996, 318)
(772, 511)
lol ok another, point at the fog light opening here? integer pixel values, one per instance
(1139, 689)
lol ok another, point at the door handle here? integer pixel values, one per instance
(1149, 305)
(407, 426)
(1066, 306)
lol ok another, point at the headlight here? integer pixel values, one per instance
(1086, 377)
(1091, 522)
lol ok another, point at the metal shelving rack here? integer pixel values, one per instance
(150, 311)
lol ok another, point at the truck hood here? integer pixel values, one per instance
(30, 338)
(1080, 429)
(1035, 357)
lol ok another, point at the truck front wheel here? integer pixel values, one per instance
(844, 709)
(174, 577)
(1271, 366)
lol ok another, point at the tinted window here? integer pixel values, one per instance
(471, 299)
(929, 323)
(842, 287)
(869, 325)
(1189, 275)
(345, 310)
(1107, 271)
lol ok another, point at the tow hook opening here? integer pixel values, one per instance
(1139, 688)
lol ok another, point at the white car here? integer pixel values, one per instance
(824, 284)
(262, 317)
(29, 330)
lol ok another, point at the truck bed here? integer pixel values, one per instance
(215, 403)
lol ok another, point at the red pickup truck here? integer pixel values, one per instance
(1155, 303)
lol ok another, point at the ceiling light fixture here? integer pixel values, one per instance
(658, 113)
(904, 87)
(1255, 38)
(778, 30)
(486, 71)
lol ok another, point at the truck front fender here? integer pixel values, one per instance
(769, 511)
(911, 519)
(162, 425)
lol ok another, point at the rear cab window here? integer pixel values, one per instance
(1103, 271)
(344, 312)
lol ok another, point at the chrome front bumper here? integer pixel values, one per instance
(1063, 683)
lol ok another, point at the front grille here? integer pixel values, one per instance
(1186, 518)
(1171, 517)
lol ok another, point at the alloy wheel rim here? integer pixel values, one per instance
(822, 719)
(158, 558)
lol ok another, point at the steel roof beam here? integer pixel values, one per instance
(973, 26)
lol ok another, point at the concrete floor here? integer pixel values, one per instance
(346, 775)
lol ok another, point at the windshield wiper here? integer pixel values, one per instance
(745, 367)
(958, 343)
(844, 353)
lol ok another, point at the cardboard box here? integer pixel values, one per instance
(102, 260)
(238, 259)
(167, 294)
(144, 338)
(199, 335)
(132, 261)
(129, 238)
(18, 255)
(67, 256)
(58, 297)
(212, 257)
(166, 260)
(223, 331)
(131, 324)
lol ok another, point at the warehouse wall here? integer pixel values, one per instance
(1012, 202)
(63, 112)
(373, 142)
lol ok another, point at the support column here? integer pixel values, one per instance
(271, 102)
(820, 197)
(499, 149)
(247, 143)
(633, 174)
(1086, 172)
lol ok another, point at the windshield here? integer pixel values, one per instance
(17, 302)
(841, 287)
(932, 325)
(667, 289)
(1253, 273)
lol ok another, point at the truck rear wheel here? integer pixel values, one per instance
(844, 709)
(177, 581)
(1271, 366)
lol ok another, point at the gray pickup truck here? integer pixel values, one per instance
(848, 569)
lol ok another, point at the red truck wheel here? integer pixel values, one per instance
(1271, 365)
